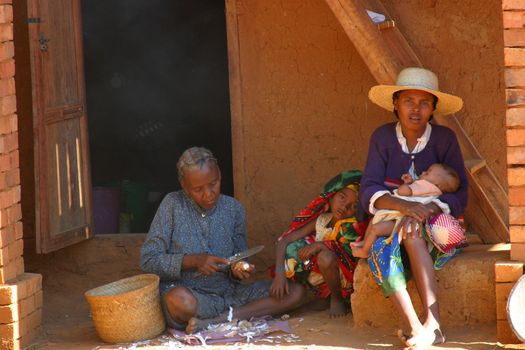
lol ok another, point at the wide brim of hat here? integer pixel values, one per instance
(382, 96)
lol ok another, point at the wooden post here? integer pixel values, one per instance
(234, 65)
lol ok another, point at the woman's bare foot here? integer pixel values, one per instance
(358, 250)
(338, 307)
(194, 325)
(425, 339)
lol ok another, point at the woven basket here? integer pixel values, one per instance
(127, 310)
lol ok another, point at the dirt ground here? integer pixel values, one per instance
(69, 273)
(67, 325)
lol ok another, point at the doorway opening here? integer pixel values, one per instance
(156, 77)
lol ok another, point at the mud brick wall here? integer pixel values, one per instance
(514, 40)
(20, 293)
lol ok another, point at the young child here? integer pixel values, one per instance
(316, 250)
(438, 179)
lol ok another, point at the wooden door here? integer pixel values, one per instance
(62, 182)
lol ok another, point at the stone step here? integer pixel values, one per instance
(466, 291)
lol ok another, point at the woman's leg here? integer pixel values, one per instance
(261, 307)
(329, 268)
(403, 303)
(422, 268)
(181, 304)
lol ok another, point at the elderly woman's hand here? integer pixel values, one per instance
(206, 264)
(242, 270)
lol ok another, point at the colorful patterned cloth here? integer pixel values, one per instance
(344, 232)
(445, 232)
(390, 265)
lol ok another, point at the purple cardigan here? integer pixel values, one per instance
(387, 161)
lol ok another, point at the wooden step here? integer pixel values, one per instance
(385, 51)
(473, 165)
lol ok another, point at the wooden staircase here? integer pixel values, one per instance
(385, 51)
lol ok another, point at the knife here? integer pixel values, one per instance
(242, 255)
(236, 257)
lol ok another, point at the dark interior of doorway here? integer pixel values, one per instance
(156, 83)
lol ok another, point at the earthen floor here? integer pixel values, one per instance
(75, 330)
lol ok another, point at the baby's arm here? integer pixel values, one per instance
(404, 190)
(380, 229)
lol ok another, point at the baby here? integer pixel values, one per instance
(438, 179)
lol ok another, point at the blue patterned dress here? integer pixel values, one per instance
(179, 228)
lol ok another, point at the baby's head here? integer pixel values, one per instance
(443, 176)
(343, 204)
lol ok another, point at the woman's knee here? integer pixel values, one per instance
(415, 246)
(180, 303)
(326, 258)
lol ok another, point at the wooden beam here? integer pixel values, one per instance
(392, 36)
(367, 40)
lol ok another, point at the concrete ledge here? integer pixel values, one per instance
(466, 291)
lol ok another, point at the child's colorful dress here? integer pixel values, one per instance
(336, 238)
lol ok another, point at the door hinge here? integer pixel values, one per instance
(42, 42)
(34, 20)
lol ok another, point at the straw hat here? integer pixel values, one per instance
(415, 79)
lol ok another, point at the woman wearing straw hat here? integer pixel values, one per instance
(411, 145)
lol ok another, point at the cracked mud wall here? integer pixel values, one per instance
(304, 113)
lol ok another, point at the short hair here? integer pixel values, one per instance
(455, 181)
(194, 157)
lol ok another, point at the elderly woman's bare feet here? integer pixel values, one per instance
(194, 325)
(338, 307)
(424, 339)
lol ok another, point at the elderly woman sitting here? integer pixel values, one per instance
(193, 231)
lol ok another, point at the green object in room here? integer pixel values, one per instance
(134, 203)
